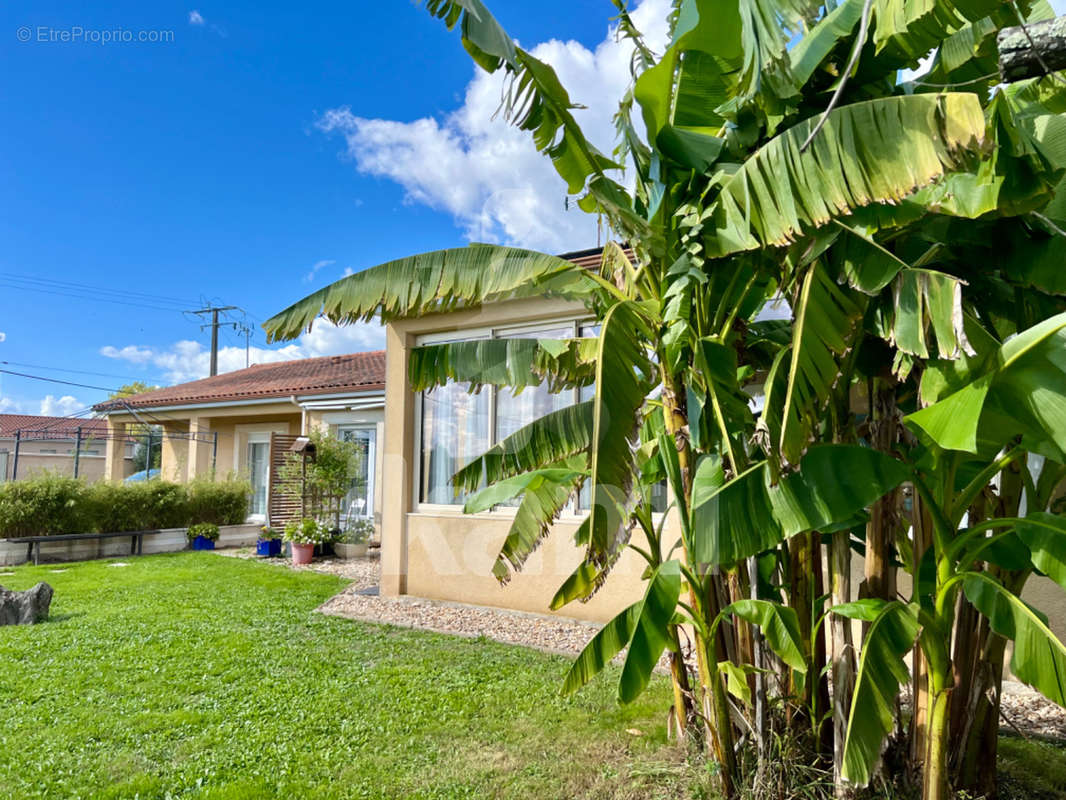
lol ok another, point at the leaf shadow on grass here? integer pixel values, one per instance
(57, 618)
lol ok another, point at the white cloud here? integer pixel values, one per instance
(196, 18)
(188, 360)
(9, 406)
(52, 406)
(485, 173)
(310, 276)
(131, 353)
(3, 336)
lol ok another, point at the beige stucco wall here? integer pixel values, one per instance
(448, 555)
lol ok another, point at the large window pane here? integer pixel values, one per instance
(258, 469)
(359, 502)
(455, 429)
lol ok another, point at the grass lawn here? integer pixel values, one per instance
(193, 675)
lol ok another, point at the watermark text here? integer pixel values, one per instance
(76, 34)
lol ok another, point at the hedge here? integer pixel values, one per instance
(52, 504)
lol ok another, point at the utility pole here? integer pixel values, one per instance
(247, 344)
(213, 325)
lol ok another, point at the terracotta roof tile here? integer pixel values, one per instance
(9, 423)
(326, 375)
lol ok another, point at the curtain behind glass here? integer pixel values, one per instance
(455, 428)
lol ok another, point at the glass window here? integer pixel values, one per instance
(258, 468)
(457, 426)
(455, 430)
(359, 502)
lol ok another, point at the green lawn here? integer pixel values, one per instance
(192, 675)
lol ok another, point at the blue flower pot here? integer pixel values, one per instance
(268, 548)
(201, 543)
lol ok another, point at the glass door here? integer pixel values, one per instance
(259, 473)
(359, 502)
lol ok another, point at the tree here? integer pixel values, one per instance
(915, 403)
(148, 452)
(131, 389)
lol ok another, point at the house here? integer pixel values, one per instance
(30, 445)
(244, 422)
(429, 547)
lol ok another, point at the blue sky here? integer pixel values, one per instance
(252, 157)
(203, 169)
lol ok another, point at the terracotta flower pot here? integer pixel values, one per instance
(302, 553)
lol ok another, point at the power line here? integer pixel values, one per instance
(74, 371)
(56, 380)
(96, 288)
(94, 298)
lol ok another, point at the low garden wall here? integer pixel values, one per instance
(53, 504)
(168, 540)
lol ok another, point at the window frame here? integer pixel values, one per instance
(571, 512)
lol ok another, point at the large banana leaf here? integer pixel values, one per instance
(442, 280)
(1020, 388)
(652, 631)
(749, 514)
(779, 625)
(540, 444)
(545, 493)
(514, 363)
(602, 647)
(881, 672)
(624, 377)
(1039, 658)
(914, 27)
(827, 318)
(536, 102)
(925, 302)
(1045, 536)
(877, 151)
(823, 38)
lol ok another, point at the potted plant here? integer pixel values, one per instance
(269, 543)
(203, 535)
(303, 535)
(353, 542)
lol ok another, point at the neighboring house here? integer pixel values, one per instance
(429, 547)
(48, 444)
(244, 422)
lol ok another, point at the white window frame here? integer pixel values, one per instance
(371, 466)
(244, 435)
(571, 512)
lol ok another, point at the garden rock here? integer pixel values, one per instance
(25, 608)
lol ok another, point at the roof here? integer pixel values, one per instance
(591, 257)
(9, 423)
(363, 372)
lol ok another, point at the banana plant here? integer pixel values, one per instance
(913, 231)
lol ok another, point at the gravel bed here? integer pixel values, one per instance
(363, 572)
(1024, 709)
(554, 634)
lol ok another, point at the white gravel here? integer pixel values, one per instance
(1024, 709)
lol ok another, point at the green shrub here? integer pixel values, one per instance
(52, 504)
(46, 504)
(223, 503)
(208, 530)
